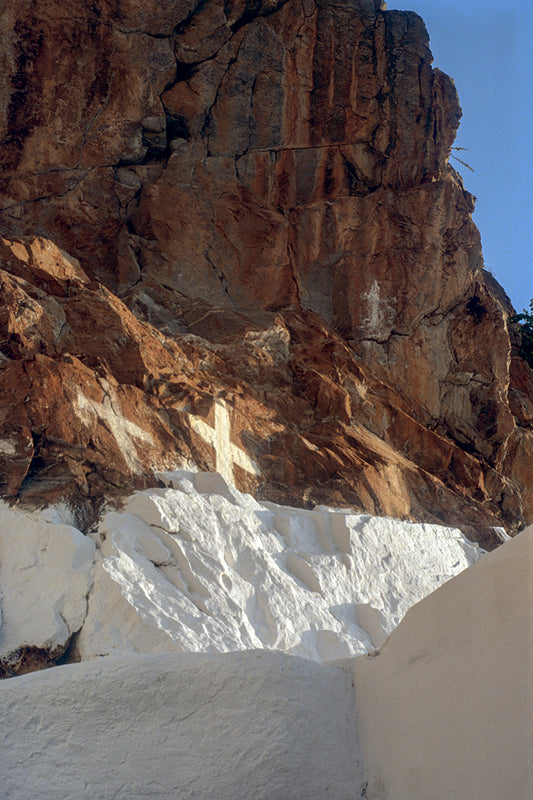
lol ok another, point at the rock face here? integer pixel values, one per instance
(197, 568)
(240, 218)
(45, 578)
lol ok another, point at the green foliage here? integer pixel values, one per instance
(525, 321)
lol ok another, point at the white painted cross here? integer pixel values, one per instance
(226, 453)
(121, 428)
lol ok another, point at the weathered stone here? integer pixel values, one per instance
(266, 187)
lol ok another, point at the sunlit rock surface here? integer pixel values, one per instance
(201, 571)
(250, 204)
(231, 241)
(204, 568)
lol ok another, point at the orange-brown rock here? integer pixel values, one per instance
(250, 202)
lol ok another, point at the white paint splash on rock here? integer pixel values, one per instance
(380, 314)
(8, 447)
(45, 576)
(202, 567)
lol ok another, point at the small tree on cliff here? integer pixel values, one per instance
(525, 321)
(460, 160)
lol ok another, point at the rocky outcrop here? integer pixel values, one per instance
(204, 568)
(249, 203)
(200, 567)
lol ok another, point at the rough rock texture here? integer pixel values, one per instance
(203, 568)
(206, 569)
(249, 202)
(442, 710)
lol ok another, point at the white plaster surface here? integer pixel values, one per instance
(445, 709)
(45, 576)
(187, 726)
(201, 567)
(442, 710)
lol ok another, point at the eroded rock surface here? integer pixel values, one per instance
(249, 203)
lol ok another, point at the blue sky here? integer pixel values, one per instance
(487, 48)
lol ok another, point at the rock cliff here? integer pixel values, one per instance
(231, 238)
